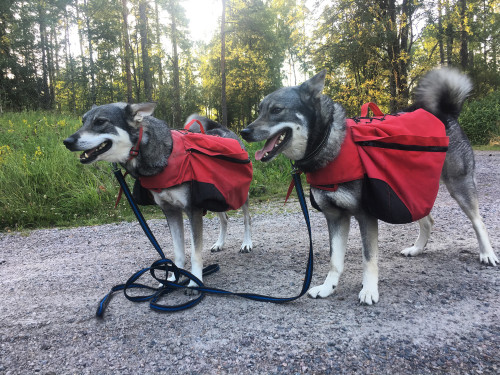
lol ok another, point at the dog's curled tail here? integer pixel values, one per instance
(443, 92)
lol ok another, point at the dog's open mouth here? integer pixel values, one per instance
(88, 156)
(273, 146)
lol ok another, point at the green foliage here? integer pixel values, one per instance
(258, 36)
(271, 178)
(480, 119)
(372, 50)
(44, 185)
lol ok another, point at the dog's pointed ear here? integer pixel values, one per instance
(139, 110)
(313, 87)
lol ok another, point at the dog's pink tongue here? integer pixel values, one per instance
(267, 147)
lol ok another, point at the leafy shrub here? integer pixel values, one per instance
(480, 119)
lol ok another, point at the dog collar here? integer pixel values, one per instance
(312, 154)
(134, 151)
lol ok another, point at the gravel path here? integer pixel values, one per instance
(438, 313)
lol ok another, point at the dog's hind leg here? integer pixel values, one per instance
(463, 190)
(196, 220)
(368, 227)
(176, 226)
(246, 245)
(219, 245)
(338, 231)
(425, 227)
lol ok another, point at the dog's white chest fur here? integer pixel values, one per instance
(176, 196)
(342, 198)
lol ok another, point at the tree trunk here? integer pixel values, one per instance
(93, 95)
(464, 53)
(394, 52)
(84, 78)
(449, 35)
(176, 100)
(69, 64)
(44, 89)
(440, 32)
(126, 54)
(143, 30)
(158, 43)
(404, 58)
(135, 61)
(53, 64)
(223, 65)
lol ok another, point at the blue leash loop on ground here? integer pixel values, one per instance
(165, 266)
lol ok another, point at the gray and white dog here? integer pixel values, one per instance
(294, 121)
(110, 131)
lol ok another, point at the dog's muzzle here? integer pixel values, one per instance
(70, 143)
(245, 133)
(248, 134)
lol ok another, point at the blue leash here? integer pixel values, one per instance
(160, 269)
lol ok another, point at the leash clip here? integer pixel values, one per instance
(295, 169)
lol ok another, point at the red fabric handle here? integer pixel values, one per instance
(192, 122)
(376, 110)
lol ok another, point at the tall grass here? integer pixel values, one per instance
(42, 184)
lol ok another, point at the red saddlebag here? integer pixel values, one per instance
(401, 157)
(217, 168)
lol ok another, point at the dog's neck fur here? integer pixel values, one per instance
(156, 140)
(328, 114)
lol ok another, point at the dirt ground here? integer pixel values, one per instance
(438, 313)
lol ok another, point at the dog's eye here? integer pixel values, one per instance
(99, 121)
(276, 110)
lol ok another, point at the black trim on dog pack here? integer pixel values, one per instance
(165, 266)
(401, 147)
(221, 157)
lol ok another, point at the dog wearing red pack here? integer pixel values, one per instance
(167, 163)
(348, 164)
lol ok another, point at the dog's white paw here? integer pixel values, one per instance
(171, 278)
(489, 258)
(246, 247)
(321, 291)
(216, 247)
(368, 295)
(412, 251)
(191, 292)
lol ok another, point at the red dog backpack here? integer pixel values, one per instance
(399, 157)
(217, 168)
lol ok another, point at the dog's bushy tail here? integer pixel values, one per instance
(442, 92)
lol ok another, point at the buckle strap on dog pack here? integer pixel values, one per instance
(188, 125)
(375, 109)
(166, 265)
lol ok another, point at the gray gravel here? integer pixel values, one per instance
(438, 313)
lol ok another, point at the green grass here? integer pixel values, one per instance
(490, 147)
(42, 184)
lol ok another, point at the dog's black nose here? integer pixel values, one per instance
(245, 133)
(69, 142)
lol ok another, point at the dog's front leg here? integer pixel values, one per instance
(338, 231)
(368, 226)
(196, 219)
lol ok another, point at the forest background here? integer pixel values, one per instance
(59, 57)
(70, 54)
